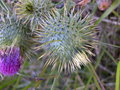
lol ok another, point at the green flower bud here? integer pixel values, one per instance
(67, 39)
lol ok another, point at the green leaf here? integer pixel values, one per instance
(117, 86)
(6, 84)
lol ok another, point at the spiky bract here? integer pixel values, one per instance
(67, 39)
(32, 10)
(25, 8)
(9, 32)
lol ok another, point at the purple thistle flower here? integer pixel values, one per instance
(10, 61)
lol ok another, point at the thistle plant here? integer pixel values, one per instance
(67, 39)
(15, 46)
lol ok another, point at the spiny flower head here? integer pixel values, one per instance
(15, 45)
(10, 61)
(32, 10)
(67, 39)
(25, 8)
(8, 33)
(15, 33)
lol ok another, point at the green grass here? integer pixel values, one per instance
(117, 86)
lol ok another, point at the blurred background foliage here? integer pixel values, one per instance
(102, 74)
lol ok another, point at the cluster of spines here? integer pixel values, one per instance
(67, 39)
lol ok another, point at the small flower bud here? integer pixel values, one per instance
(103, 4)
(67, 40)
